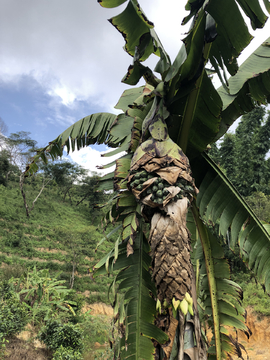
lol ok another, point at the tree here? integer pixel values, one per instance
(260, 203)
(7, 166)
(3, 129)
(4, 167)
(20, 148)
(75, 248)
(88, 191)
(16, 151)
(66, 174)
(243, 154)
(164, 128)
(228, 156)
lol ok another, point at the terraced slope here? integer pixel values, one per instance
(57, 236)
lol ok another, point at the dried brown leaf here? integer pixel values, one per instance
(171, 333)
(170, 250)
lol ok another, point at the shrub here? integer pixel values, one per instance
(13, 316)
(63, 353)
(2, 345)
(97, 328)
(54, 335)
(6, 290)
(11, 271)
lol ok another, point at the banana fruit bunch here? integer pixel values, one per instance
(156, 190)
(160, 174)
(185, 305)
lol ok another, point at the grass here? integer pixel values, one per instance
(57, 226)
(55, 233)
(97, 329)
(49, 239)
(255, 296)
(253, 293)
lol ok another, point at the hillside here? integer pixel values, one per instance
(57, 236)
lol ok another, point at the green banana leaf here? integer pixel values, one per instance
(248, 88)
(219, 295)
(134, 18)
(220, 204)
(136, 310)
(92, 129)
(232, 32)
(213, 111)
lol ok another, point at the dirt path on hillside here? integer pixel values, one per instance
(40, 260)
(18, 349)
(257, 346)
(98, 309)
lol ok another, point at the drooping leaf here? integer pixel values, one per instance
(133, 18)
(140, 306)
(92, 129)
(219, 295)
(197, 114)
(213, 111)
(111, 3)
(254, 11)
(249, 87)
(141, 41)
(232, 33)
(135, 73)
(129, 97)
(220, 204)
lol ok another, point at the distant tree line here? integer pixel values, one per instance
(243, 155)
(72, 181)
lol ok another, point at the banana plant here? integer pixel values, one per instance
(174, 204)
(42, 294)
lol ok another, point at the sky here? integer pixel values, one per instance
(61, 60)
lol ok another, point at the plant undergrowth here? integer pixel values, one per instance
(253, 293)
(50, 240)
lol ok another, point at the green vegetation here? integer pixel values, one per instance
(242, 155)
(49, 239)
(46, 254)
(63, 353)
(254, 294)
(41, 250)
(55, 314)
(56, 334)
(13, 313)
(164, 129)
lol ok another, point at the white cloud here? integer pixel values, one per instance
(90, 158)
(71, 49)
(66, 96)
